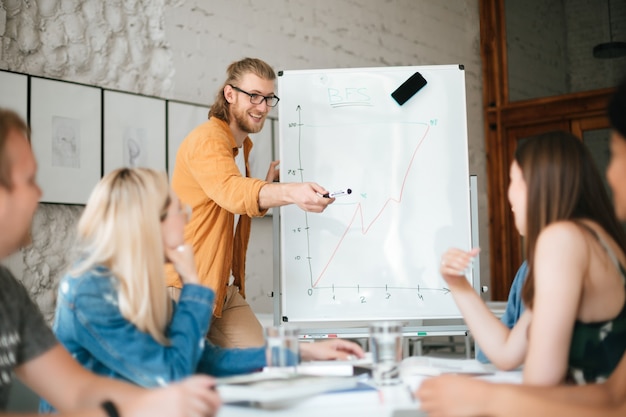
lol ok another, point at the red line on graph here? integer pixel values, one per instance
(359, 210)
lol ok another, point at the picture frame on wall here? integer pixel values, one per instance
(14, 87)
(134, 131)
(182, 118)
(66, 124)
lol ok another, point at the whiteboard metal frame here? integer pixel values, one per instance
(321, 104)
(356, 329)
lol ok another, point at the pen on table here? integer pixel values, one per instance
(337, 193)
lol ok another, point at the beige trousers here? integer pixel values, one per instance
(238, 327)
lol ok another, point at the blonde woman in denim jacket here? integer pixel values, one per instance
(114, 314)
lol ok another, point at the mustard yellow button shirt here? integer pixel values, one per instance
(207, 178)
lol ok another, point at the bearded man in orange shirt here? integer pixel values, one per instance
(212, 175)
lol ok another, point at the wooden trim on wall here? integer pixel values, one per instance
(564, 107)
(495, 82)
(591, 123)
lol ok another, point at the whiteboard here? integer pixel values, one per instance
(373, 254)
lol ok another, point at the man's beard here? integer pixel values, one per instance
(245, 125)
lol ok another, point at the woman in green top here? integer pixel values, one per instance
(461, 396)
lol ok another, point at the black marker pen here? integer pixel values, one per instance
(337, 193)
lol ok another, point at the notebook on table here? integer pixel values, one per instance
(272, 390)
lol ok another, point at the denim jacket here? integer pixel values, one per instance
(514, 306)
(89, 324)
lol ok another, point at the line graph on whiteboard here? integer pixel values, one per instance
(375, 251)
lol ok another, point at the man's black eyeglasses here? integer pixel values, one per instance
(271, 101)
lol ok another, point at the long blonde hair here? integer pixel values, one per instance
(121, 230)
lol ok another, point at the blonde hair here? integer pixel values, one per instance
(121, 230)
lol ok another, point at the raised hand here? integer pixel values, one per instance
(273, 174)
(455, 264)
(308, 196)
(183, 260)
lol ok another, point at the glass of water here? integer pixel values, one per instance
(282, 348)
(386, 348)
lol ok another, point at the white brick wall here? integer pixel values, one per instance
(320, 34)
(550, 46)
(584, 32)
(537, 57)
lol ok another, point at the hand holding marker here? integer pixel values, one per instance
(337, 193)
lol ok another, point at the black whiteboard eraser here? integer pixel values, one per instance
(408, 88)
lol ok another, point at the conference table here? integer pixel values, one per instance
(367, 400)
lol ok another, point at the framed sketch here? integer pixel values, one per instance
(14, 95)
(66, 123)
(134, 131)
(182, 118)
